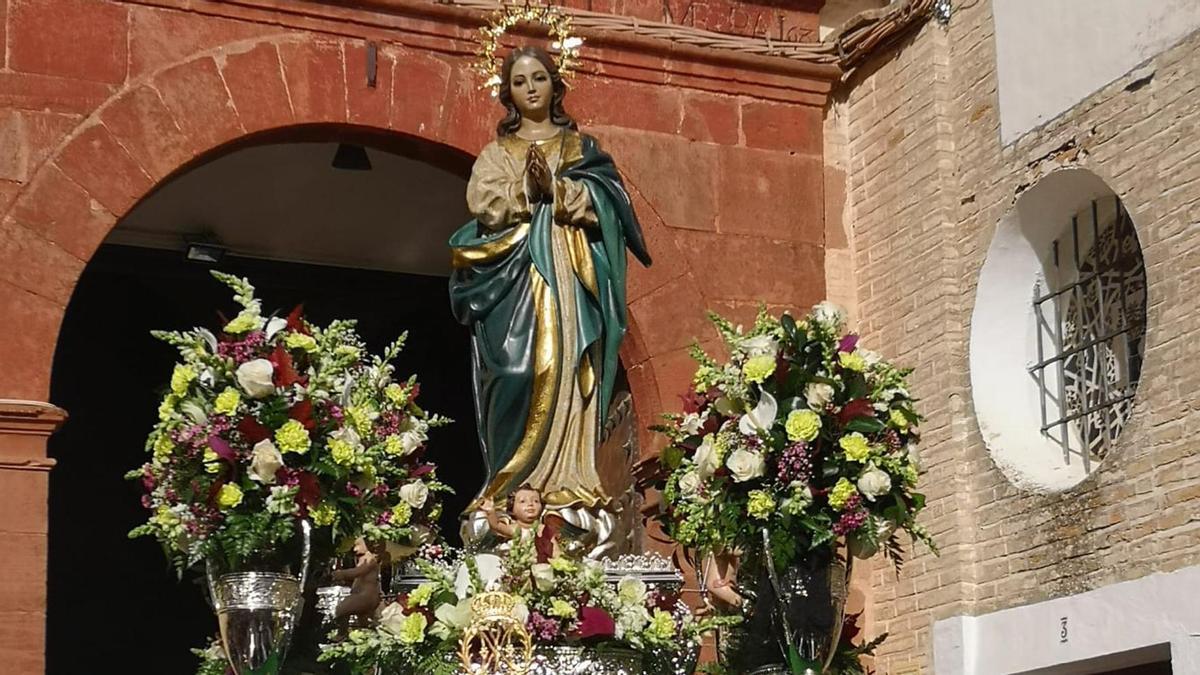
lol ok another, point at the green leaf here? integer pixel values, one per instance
(865, 425)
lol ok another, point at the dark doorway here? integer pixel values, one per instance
(113, 604)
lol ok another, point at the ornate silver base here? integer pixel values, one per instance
(257, 613)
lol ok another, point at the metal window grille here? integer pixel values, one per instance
(1091, 326)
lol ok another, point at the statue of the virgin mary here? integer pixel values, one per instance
(539, 276)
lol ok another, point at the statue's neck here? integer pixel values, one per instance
(533, 130)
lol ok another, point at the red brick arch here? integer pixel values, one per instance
(185, 112)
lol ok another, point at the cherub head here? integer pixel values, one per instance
(525, 504)
(531, 87)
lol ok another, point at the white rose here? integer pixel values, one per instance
(631, 590)
(265, 461)
(456, 616)
(818, 395)
(870, 358)
(690, 424)
(543, 576)
(762, 345)
(631, 620)
(706, 458)
(255, 378)
(521, 611)
(914, 455)
(874, 482)
(415, 493)
(829, 314)
(689, 483)
(744, 465)
(392, 618)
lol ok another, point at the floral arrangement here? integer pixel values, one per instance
(802, 434)
(560, 602)
(273, 420)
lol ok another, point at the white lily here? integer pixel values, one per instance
(762, 418)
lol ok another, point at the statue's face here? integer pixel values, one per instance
(531, 87)
(527, 506)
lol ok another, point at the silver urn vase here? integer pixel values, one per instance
(257, 612)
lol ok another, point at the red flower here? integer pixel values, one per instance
(253, 432)
(309, 493)
(285, 371)
(302, 413)
(222, 448)
(848, 343)
(595, 622)
(859, 407)
(295, 320)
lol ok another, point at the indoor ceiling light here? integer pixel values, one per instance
(351, 157)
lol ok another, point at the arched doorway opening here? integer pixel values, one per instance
(362, 244)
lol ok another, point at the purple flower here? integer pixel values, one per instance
(795, 464)
(848, 343)
(543, 629)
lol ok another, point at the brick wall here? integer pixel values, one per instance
(926, 183)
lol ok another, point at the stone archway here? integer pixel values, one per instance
(155, 126)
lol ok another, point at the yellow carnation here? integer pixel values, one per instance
(341, 451)
(412, 629)
(228, 401)
(760, 504)
(292, 437)
(759, 368)
(802, 425)
(229, 496)
(300, 341)
(323, 514)
(841, 493)
(898, 419)
(852, 361)
(856, 447)
(181, 378)
(421, 594)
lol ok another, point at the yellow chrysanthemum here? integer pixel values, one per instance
(662, 625)
(229, 496)
(802, 425)
(898, 419)
(181, 378)
(341, 452)
(292, 437)
(760, 504)
(397, 394)
(323, 514)
(401, 514)
(227, 401)
(360, 419)
(852, 361)
(300, 341)
(393, 446)
(562, 609)
(759, 368)
(856, 447)
(841, 492)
